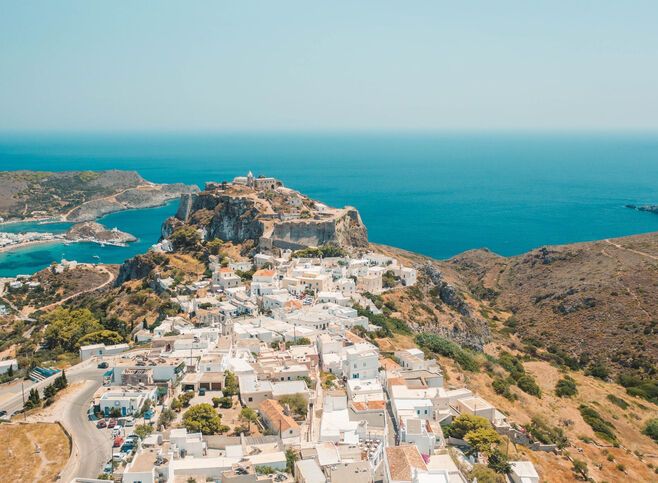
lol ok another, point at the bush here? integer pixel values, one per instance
(546, 434)
(602, 428)
(502, 387)
(617, 401)
(528, 385)
(599, 370)
(651, 429)
(566, 387)
(438, 345)
(297, 403)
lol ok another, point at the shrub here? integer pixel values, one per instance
(438, 345)
(566, 387)
(602, 428)
(651, 429)
(546, 434)
(599, 370)
(528, 385)
(617, 401)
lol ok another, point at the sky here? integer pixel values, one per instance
(340, 66)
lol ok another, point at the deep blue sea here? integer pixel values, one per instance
(437, 194)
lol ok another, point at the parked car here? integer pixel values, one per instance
(112, 423)
(119, 456)
(101, 424)
(118, 441)
(202, 391)
(130, 422)
(107, 469)
(127, 447)
(116, 432)
(103, 365)
(3, 413)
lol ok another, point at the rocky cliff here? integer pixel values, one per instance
(238, 214)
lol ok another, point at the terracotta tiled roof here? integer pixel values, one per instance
(264, 273)
(402, 460)
(362, 406)
(272, 411)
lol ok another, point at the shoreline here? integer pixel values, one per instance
(19, 246)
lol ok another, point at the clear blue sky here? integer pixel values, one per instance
(340, 65)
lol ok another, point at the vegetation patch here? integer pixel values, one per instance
(602, 428)
(438, 345)
(566, 387)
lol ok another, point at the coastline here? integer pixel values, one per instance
(19, 246)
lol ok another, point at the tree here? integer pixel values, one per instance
(49, 391)
(185, 238)
(66, 327)
(109, 337)
(566, 387)
(33, 400)
(176, 405)
(499, 462)
(165, 418)
(528, 385)
(599, 370)
(203, 418)
(291, 457)
(580, 468)
(214, 246)
(485, 475)
(231, 387)
(249, 416)
(297, 403)
(465, 423)
(185, 398)
(61, 382)
(143, 430)
(10, 371)
(482, 440)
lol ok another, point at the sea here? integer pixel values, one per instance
(438, 194)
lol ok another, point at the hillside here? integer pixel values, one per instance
(593, 301)
(79, 195)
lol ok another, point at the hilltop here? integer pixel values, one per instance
(79, 195)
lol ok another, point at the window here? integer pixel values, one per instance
(251, 399)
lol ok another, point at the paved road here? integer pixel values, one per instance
(91, 446)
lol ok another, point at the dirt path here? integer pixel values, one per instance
(637, 252)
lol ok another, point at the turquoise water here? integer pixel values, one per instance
(434, 194)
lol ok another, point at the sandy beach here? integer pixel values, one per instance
(18, 246)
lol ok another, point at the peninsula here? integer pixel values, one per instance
(78, 196)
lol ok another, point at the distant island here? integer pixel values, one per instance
(647, 208)
(79, 196)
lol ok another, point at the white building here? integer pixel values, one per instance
(361, 362)
(100, 350)
(7, 364)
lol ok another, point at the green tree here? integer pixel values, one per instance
(10, 371)
(185, 238)
(166, 417)
(231, 387)
(465, 423)
(528, 385)
(49, 391)
(33, 400)
(176, 405)
(185, 398)
(109, 337)
(485, 475)
(204, 419)
(66, 327)
(248, 416)
(143, 430)
(297, 403)
(599, 370)
(291, 457)
(482, 440)
(214, 246)
(60, 382)
(499, 462)
(580, 468)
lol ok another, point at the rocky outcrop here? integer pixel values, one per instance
(346, 230)
(647, 208)
(92, 231)
(242, 215)
(137, 268)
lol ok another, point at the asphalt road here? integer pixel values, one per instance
(91, 446)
